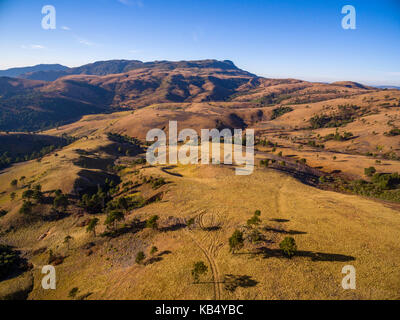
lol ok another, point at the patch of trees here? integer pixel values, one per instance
(17, 114)
(3, 212)
(384, 186)
(280, 111)
(338, 137)
(9, 261)
(271, 99)
(123, 139)
(344, 115)
(40, 149)
(393, 132)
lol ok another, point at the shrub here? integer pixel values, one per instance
(9, 261)
(152, 222)
(153, 250)
(236, 241)
(288, 246)
(140, 257)
(61, 201)
(3, 212)
(199, 268)
(369, 172)
(26, 208)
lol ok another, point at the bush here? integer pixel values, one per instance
(26, 208)
(9, 261)
(369, 172)
(288, 246)
(152, 222)
(199, 268)
(236, 241)
(140, 257)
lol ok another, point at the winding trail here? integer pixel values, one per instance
(210, 252)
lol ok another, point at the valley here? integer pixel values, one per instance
(327, 158)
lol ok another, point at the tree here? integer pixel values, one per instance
(288, 246)
(369, 172)
(190, 223)
(140, 257)
(236, 241)
(92, 226)
(13, 195)
(37, 193)
(14, 183)
(112, 218)
(123, 203)
(61, 201)
(199, 269)
(26, 207)
(27, 194)
(153, 250)
(152, 222)
(67, 240)
(255, 220)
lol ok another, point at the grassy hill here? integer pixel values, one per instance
(327, 158)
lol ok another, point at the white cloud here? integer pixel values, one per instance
(33, 46)
(134, 51)
(66, 28)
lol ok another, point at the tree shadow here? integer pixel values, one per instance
(165, 170)
(281, 231)
(314, 256)
(174, 227)
(157, 258)
(279, 220)
(232, 282)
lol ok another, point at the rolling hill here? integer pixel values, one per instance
(326, 174)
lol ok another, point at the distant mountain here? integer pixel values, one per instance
(102, 68)
(16, 72)
(27, 104)
(387, 87)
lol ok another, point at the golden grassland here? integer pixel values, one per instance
(332, 230)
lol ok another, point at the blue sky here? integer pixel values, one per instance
(299, 38)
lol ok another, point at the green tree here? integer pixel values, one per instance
(199, 269)
(254, 220)
(369, 172)
(26, 207)
(153, 250)
(14, 183)
(67, 241)
(61, 201)
(28, 194)
(112, 218)
(236, 241)
(13, 195)
(152, 222)
(288, 246)
(92, 226)
(140, 257)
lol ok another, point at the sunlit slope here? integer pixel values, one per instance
(332, 230)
